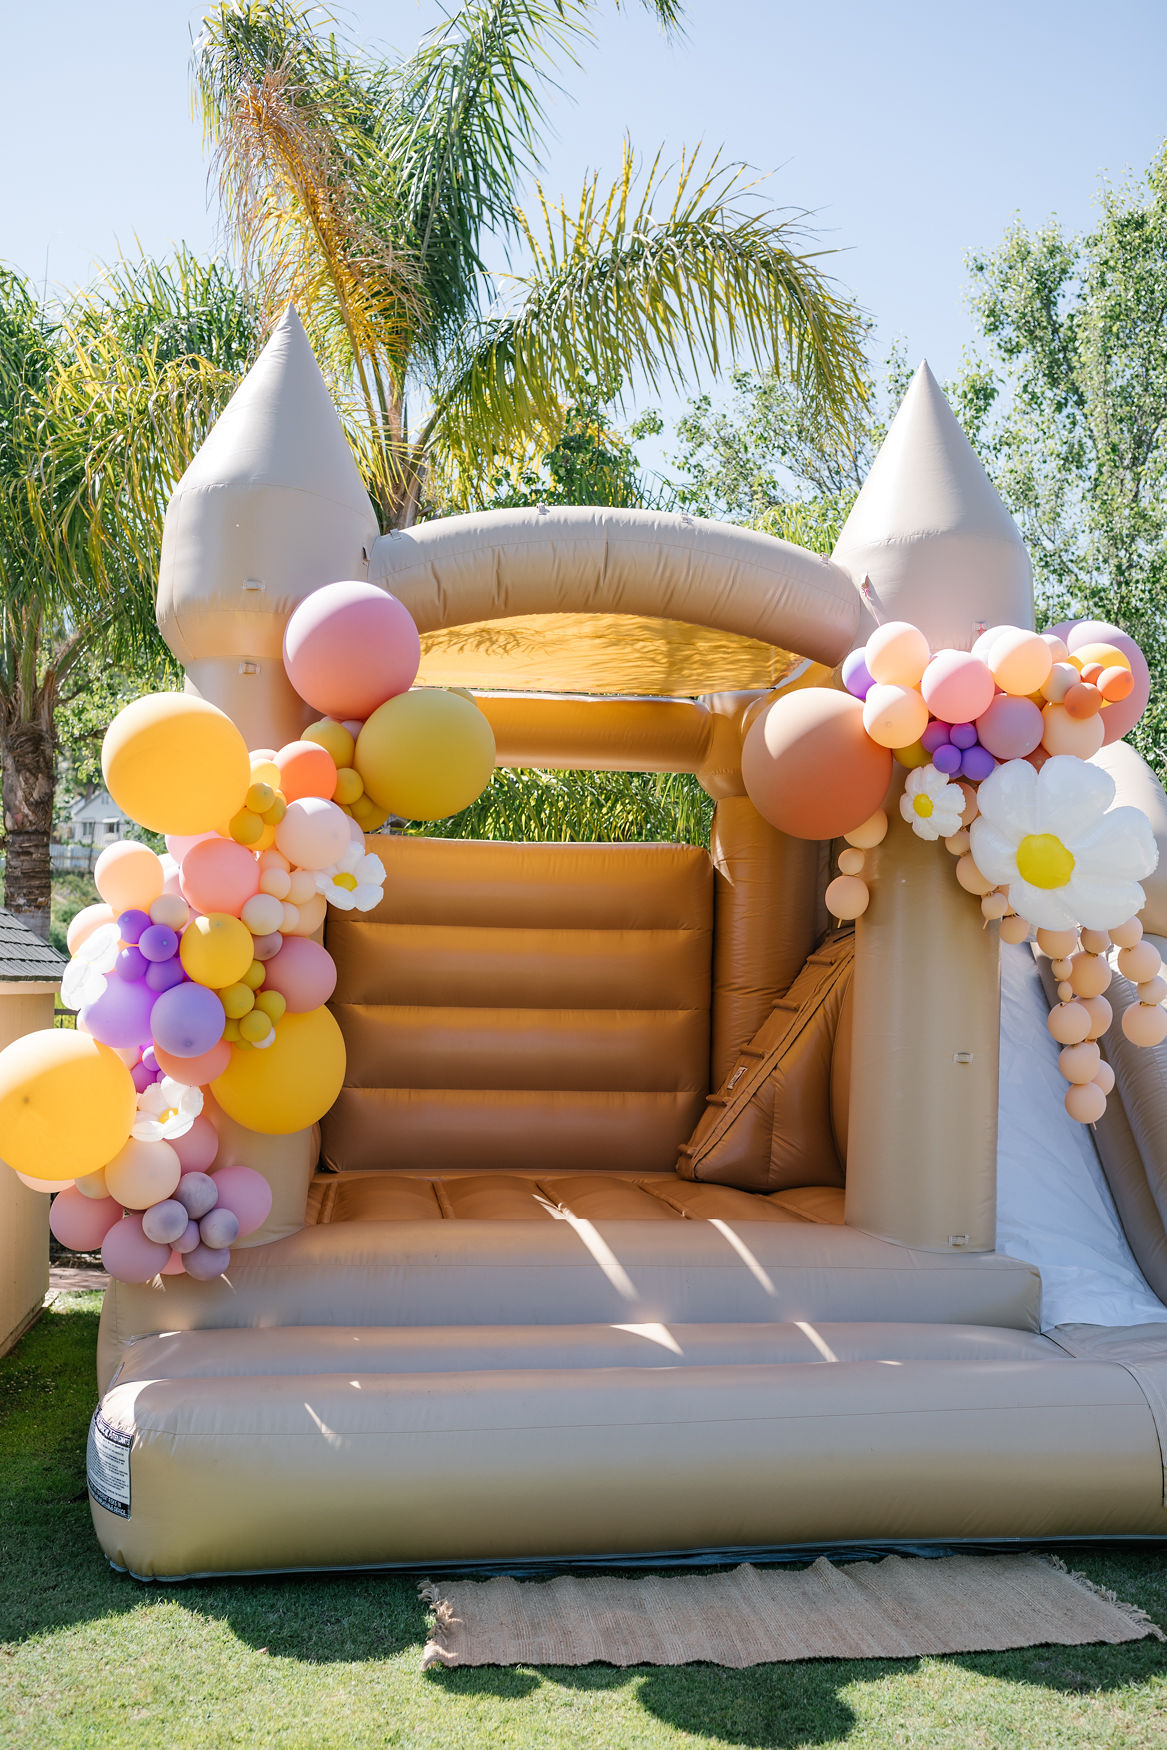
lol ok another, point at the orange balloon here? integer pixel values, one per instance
(306, 769)
(1085, 1102)
(809, 766)
(1145, 1024)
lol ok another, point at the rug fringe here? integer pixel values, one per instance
(442, 1612)
(1132, 1612)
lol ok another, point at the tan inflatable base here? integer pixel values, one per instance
(283, 1450)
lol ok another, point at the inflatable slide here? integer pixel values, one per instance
(497, 1202)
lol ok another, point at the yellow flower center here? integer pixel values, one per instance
(344, 879)
(1044, 861)
(924, 806)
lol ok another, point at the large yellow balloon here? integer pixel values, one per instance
(425, 754)
(216, 950)
(292, 1083)
(175, 764)
(66, 1104)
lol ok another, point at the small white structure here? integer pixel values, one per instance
(94, 820)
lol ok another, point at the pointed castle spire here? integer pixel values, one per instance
(271, 507)
(929, 539)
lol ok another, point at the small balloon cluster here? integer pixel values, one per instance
(197, 980)
(997, 744)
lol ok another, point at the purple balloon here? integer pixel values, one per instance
(150, 1060)
(219, 1228)
(267, 947)
(131, 965)
(856, 677)
(159, 942)
(165, 1222)
(188, 1020)
(165, 974)
(189, 1238)
(143, 1077)
(963, 735)
(934, 736)
(131, 924)
(976, 763)
(946, 759)
(206, 1262)
(198, 1194)
(121, 1015)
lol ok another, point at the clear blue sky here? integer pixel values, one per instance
(915, 129)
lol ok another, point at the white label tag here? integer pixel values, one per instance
(107, 1466)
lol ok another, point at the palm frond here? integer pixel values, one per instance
(615, 290)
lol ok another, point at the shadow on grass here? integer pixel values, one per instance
(53, 1577)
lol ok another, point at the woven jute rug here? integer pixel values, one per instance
(897, 1608)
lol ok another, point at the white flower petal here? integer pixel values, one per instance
(1100, 904)
(370, 871)
(1120, 847)
(1071, 796)
(994, 854)
(366, 898)
(947, 821)
(341, 897)
(906, 809)
(924, 826)
(1008, 799)
(1046, 907)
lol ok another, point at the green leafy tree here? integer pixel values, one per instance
(1068, 406)
(101, 406)
(366, 191)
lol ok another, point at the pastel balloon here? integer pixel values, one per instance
(896, 654)
(1145, 1025)
(350, 646)
(1086, 1103)
(1019, 661)
(174, 1265)
(425, 754)
(306, 769)
(336, 738)
(128, 875)
(935, 736)
(985, 641)
(1140, 963)
(809, 766)
(910, 757)
(303, 973)
(197, 1147)
(131, 965)
(219, 876)
(129, 1256)
(246, 1194)
(81, 1223)
(165, 974)
(218, 1228)
(1118, 718)
(165, 1222)
(869, 833)
(957, 686)
(1081, 736)
(170, 910)
(175, 764)
(158, 942)
(178, 844)
(314, 832)
(188, 1239)
(46, 1184)
(216, 951)
(894, 715)
(1099, 654)
(262, 914)
(847, 897)
(857, 678)
(198, 1194)
(121, 1015)
(84, 922)
(1010, 728)
(205, 1263)
(142, 1173)
(291, 1084)
(188, 1026)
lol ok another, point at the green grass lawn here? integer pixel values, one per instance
(91, 1658)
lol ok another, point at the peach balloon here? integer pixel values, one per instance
(306, 769)
(809, 766)
(847, 897)
(1101, 1015)
(219, 876)
(1117, 719)
(142, 1173)
(984, 643)
(896, 654)
(1115, 685)
(850, 863)
(1069, 1024)
(1090, 975)
(894, 715)
(1127, 935)
(35, 1184)
(195, 1072)
(1079, 1063)
(1014, 930)
(994, 906)
(1019, 661)
(1095, 941)
(1145, 1024)
(1058, 944)
(971, 878)
(1081, 736)
(84, 923)
(1085, 1103)
(128, 876)
(1154, 990)
(314, 832)
(312, 915)
(1140, 963)
(957, 686)
(872, 832)
(1058, 648)
(1062, 676)
(1105, 1077)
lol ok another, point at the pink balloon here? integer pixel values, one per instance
(1116, 719)
(178, 844)
(314, 832)
(350, 646)
(174, 1266)
(80, 1222)
(129, 1256)
(197, 1147)
(84, 922)
(246, 1194)
(219, 875)
(195, 1072)
(1011, 727)
(957, 686)
(303, 972)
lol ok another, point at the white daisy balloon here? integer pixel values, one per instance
(931, 805)
(84, 978)
(1051, 838)
(166, 1108)
(355, 882)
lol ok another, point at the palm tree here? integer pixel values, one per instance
(367, 191)
(101, 406)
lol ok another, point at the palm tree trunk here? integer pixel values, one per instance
(26, 791)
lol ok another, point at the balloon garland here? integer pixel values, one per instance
(198, 970)
(997, 743)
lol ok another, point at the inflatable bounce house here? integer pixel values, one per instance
(491, 1202)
